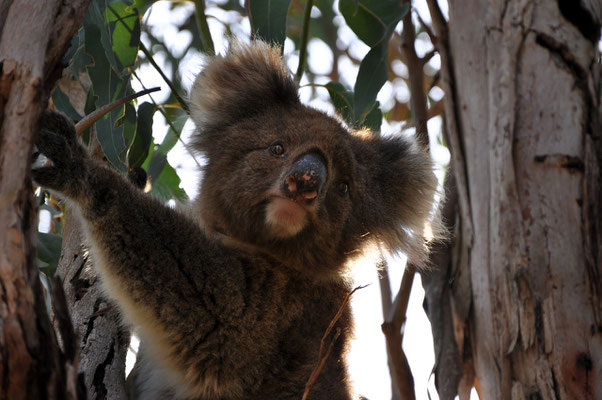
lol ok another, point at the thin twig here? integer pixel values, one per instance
(397, 315)
(392, 329)
(416, 80)
(150, 58)
(179, 98)
(323, 355)
(427, 57)
(304, 38)
(97, 114)
(387, 305)
(427, 29)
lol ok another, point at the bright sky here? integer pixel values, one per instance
(368, 362)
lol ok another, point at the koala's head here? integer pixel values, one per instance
(295, 182)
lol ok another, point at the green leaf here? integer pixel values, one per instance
(268, 19)
(142, 5)
(139, 148)
(373, 21)
(107, 86)
(374, 118)
(118, 31)
(128, 123)
(342, 99)
(123, 26)
(167, 185)
(178, 118)
(158, 157)
(63, 104)
(76, 57)
(371, 77)
(165, 182)
(49, 252)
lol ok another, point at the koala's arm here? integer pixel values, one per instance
(189, 295)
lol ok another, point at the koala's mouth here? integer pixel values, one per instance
(285, 217)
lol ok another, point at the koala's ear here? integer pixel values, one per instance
(400, 189)
(249, 79)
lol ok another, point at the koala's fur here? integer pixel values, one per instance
(231, 300)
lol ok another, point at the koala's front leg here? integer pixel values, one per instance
(71, 163)
(189, 297)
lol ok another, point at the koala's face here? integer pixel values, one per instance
(293, 181)
(284, 174)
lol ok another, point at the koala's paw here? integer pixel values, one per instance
(58, 141)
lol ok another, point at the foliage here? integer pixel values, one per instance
(107, 56)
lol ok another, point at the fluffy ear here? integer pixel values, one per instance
(249, 79)
(400, 188)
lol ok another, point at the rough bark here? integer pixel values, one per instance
(103, 342)
(33, 38)
(526, 86)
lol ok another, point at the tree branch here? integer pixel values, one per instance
(386, 296)
(97, 114)
(416, 80)
(391, 328)
(324, 353)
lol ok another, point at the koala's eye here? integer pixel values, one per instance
(277, 149)
(343, 188)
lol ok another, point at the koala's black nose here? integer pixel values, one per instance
(306, 177)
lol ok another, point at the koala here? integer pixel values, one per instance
(232, 297)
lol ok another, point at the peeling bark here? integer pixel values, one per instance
(34, 36)
(527, 87)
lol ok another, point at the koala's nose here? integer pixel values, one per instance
(306, 177)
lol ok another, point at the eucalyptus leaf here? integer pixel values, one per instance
(342, 99)
(139, 148)
(268, 19)
(76, 55)
(128, 123)
(374, 118)
(124, 28)
(371, 77)
(142, 5)
(107, 86)
(373, 21)
(157, 158)
(63, 104)
(118, 31)
(167, 185)
(178, 118)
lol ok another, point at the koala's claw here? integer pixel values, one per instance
(58, 141)
(55, 147)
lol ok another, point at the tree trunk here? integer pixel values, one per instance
(102, 342)
(524, 90)
(34, 37)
